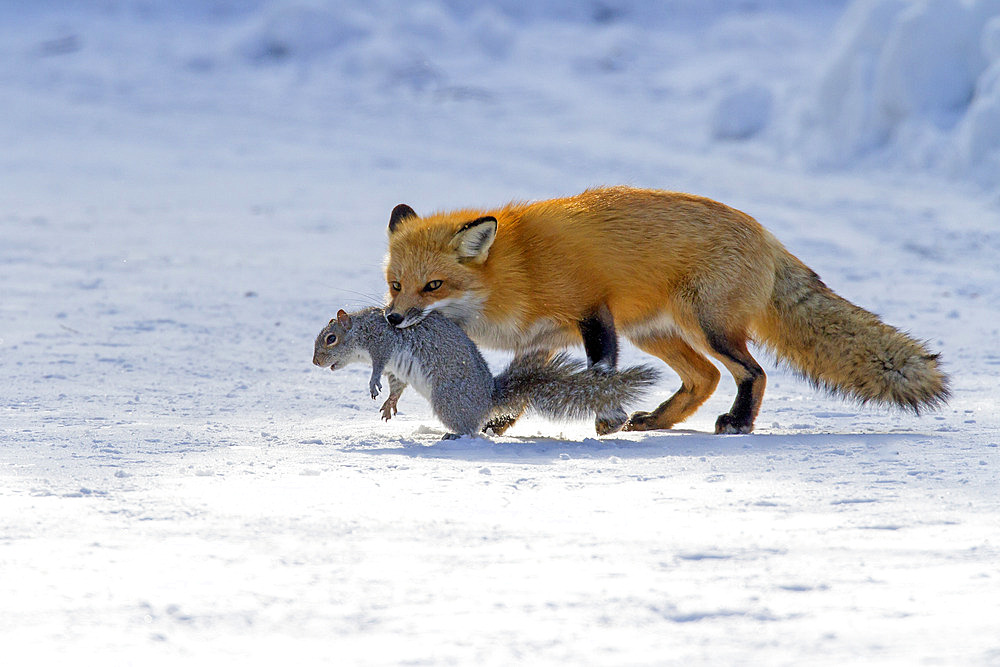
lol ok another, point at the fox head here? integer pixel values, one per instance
(436, 264)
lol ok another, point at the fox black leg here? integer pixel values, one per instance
(600, 342)
(741, 416)
(750, 383)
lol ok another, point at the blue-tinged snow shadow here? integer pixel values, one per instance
(682, 443)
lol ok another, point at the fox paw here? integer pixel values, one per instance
(645, 421)
(729, 424)
(611, 422)
(498, 425)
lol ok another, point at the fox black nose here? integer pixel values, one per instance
(395, 319)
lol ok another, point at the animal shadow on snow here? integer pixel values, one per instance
(540, 450)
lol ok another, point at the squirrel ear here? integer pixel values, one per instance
(473, 240)
(399, 214)
(343, 319)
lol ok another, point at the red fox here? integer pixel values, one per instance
(680, 276)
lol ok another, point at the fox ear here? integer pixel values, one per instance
(399, 214)
(343, 319)
(473, 240)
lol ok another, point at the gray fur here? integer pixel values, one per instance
(442, 363)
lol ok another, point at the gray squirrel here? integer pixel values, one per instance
(442, 363)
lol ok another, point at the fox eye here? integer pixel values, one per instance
(432, 285)
(331, 339)
(395, 286)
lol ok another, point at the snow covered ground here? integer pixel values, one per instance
(189, 190)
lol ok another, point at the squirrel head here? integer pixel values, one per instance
(334, 346)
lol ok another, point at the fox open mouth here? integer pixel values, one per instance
(456, 309)
(412, 319)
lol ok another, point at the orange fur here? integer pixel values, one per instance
(683, 276)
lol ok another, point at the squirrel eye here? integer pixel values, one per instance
(395, 286)
(331, 339)
(432, 285)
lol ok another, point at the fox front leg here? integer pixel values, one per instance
(600, 341)
(396, 387)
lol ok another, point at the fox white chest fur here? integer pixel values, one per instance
(508, 334)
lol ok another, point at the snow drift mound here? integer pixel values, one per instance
(742, 112)
(302, 32)
(915, 83)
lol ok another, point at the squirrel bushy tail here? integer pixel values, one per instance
(846, 349)
(562, 388)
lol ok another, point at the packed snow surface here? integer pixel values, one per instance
(189, 190)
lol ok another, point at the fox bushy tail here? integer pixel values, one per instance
(846, 349)
(561, 388)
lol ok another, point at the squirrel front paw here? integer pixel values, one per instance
(375, 387)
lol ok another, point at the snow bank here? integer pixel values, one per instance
(915, 83)
(302, 32)
(908, 83)
(742, 113)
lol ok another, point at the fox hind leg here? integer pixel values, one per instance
(750, 383)
(699, 378)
